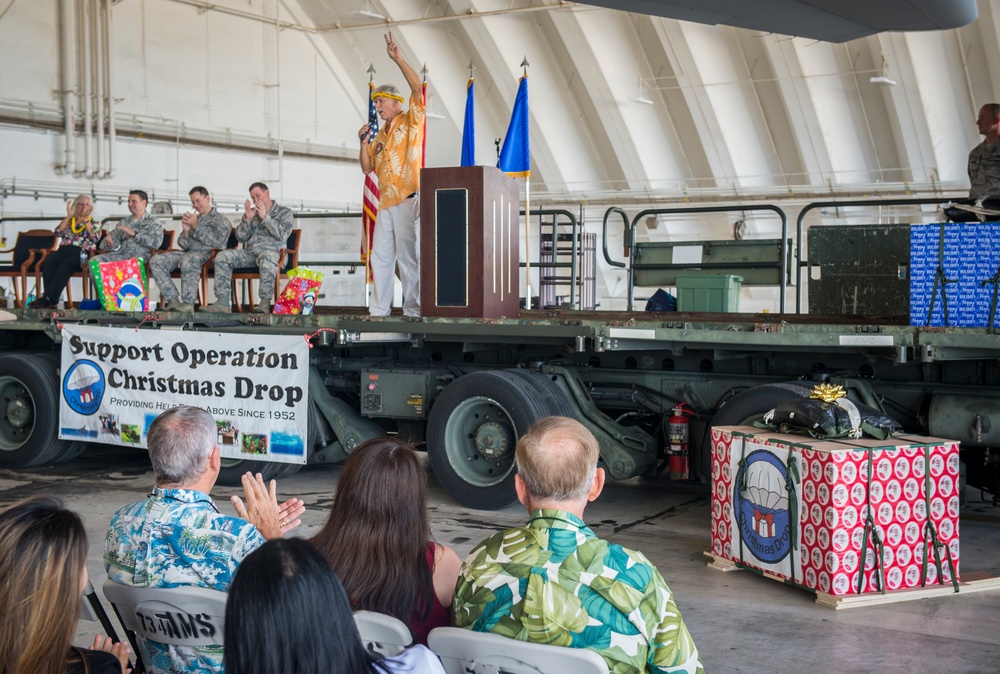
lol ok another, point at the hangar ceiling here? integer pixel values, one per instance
(625, 107)
(652, 106)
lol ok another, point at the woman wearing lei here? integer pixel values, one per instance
(77, 239)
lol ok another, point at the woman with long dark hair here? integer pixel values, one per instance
(287, 614)
(378, 538)
(43, 554)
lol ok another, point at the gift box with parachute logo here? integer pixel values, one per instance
(848, 516)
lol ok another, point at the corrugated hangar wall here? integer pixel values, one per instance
(625, 109)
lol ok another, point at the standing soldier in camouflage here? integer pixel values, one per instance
(203, 231)
(984, 172)
(264, 231)
(984, 159)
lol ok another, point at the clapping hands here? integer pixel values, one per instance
(118, 649)
(262, 508)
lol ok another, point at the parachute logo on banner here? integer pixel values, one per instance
(762, 506)
(83, 387)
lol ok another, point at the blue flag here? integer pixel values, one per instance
(515, 155)
(469, 130)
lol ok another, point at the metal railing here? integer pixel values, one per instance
(630, 239)
(556, 213)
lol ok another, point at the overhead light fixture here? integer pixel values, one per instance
(639, 95)
(366, 9)
(882, 80)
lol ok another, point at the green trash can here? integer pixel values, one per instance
(716, 293)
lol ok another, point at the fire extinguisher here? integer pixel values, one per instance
(679, 432)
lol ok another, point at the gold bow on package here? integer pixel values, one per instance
(828, 393)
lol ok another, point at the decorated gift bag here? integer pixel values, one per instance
(300, 293)
(121, 285)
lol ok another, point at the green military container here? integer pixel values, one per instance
(716, 293)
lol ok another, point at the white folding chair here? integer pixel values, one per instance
(181, 616)
(92, 610)
(381, 633)
(466, 652)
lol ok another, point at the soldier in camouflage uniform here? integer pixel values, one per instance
(984, 172)
(264, 231)
(984, 160)
(135, 236)
(203, 231)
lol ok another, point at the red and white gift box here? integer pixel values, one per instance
(796, 508)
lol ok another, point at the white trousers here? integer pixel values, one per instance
(396, 241)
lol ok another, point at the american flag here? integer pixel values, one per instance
(369, 208)
(368, 212)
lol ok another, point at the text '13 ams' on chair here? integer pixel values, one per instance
(27, 252)
(288, 258)
(462, 651)
(381, 633)
(180, 616)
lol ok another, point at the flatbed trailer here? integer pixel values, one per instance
(466, 389)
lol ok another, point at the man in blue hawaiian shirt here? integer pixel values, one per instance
(555, 582)
(176, 536)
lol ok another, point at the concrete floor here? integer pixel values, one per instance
(740, 621)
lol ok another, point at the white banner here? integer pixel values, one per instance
(762, 510)
(116, 381)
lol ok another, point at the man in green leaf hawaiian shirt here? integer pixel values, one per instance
(555, 582)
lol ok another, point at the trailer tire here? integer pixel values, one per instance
(474, 426)
(29, 412)
(553, 396)
(748, 406)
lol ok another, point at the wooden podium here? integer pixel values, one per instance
(469, 259)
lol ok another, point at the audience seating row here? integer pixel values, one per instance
(168, 616)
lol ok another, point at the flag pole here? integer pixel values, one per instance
(423, 100)
(368, 239)
(527, 217)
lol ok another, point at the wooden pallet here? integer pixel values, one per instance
(973, 583)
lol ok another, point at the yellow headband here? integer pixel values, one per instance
(385, 94)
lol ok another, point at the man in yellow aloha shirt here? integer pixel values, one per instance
(555, 582)
(395, 153)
